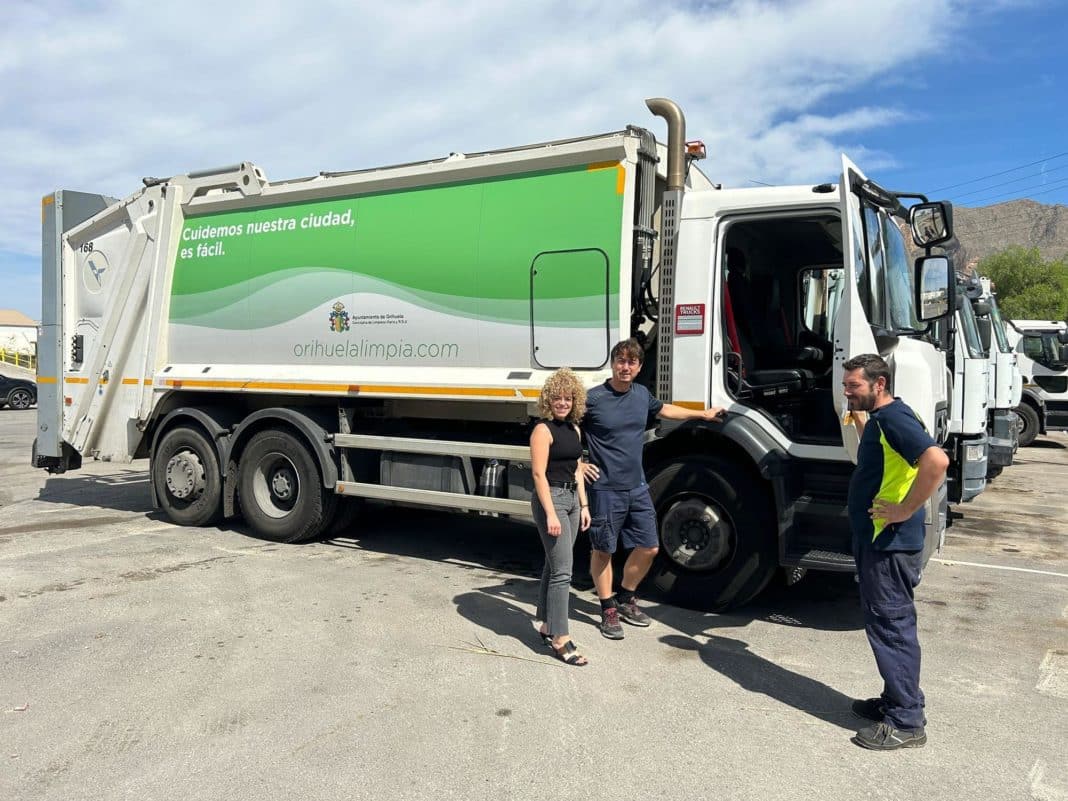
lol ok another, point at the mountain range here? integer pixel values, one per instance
(984, 230)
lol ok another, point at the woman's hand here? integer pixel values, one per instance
(584, 518)
(553, 524)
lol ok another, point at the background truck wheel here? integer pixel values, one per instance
(1027, 420)
(20, 399)
(185, 474)
(281, 494)
(718, 541)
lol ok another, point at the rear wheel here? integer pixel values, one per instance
(185, 474)
(20, 398)
(281, 493)
(1027, 423)
(718, 540)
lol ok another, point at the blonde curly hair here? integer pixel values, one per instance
(564, 383)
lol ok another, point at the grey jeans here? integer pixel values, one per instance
(554, 592)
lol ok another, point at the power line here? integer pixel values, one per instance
(996, 174)
(1026, 193)
(1013, 181)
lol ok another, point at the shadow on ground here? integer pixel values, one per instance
(126, 491)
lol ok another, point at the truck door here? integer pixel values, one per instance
(852, 329)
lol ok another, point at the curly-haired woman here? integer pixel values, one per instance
(559, 503)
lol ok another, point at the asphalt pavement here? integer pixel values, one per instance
(142, 660)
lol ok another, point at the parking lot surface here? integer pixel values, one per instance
(142, 660)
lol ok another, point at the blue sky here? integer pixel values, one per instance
(926, 95)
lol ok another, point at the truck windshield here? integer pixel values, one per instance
(969, 329)
(999, 326)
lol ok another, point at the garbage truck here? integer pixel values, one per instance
(1006, 384)
(967, 444)
(1042, 351)
(278, 350)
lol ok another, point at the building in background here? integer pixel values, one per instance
(18, 333)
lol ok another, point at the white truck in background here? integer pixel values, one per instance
(1006, 383)
(277, 349)
(1042, 351)
(968, 443)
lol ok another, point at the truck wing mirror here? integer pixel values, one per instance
(934, 287)
(931, 223)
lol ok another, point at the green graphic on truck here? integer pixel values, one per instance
(461, 273)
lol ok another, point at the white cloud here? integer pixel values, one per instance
(98, 96)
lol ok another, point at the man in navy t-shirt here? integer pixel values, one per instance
(620, 505)
(898, 468)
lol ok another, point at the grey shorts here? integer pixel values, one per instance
(626, 515)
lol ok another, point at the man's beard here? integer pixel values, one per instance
(863, 404)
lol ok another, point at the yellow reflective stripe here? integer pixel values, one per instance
(695, 405)
(46, 379)
(621, 172)
(353, 389)
(356, 389)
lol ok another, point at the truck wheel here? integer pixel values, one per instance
(281, 494)
(718, 538)
(185, 474)
(20, 399)
(1027, 422)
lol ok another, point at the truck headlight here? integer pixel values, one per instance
(973, 453)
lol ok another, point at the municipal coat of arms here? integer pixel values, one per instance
(339, 318)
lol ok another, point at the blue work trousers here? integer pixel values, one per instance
(887, 580)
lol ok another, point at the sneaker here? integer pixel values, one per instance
(632, 614)
(873, 709)
(610, 627)
(884, 737)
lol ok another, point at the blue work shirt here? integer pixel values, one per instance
(890, 447)
(614, 427)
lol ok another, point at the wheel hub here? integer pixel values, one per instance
(283, 484)
(185, 475)
(696, 535)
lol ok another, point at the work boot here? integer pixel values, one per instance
(873, 709)
(884, 737)
(610, 627)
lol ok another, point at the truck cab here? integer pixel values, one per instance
(797, 280)
(968, 443)
(1042, 351)
(1006, 386)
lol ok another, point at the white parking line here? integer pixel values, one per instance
(1053, 673)
(999, 567)
(1041, 788)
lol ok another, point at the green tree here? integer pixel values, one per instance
(1028, 287)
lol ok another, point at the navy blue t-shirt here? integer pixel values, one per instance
(890, 447)
(614, 426)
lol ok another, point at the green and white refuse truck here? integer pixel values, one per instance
(277, 348)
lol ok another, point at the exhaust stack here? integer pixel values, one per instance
(676, 122)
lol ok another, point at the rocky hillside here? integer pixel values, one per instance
(988, 229)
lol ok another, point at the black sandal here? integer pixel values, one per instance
(546, 638)
(568, 654)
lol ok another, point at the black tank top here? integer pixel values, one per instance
(564, 452)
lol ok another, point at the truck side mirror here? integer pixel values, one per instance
(931, 223)
(934, 287)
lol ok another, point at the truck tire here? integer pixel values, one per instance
(20, 398)
(185, 474)
(718, 537)
(280, 490)
(1028, 422)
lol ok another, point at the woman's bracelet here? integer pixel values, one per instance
(584, 506)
